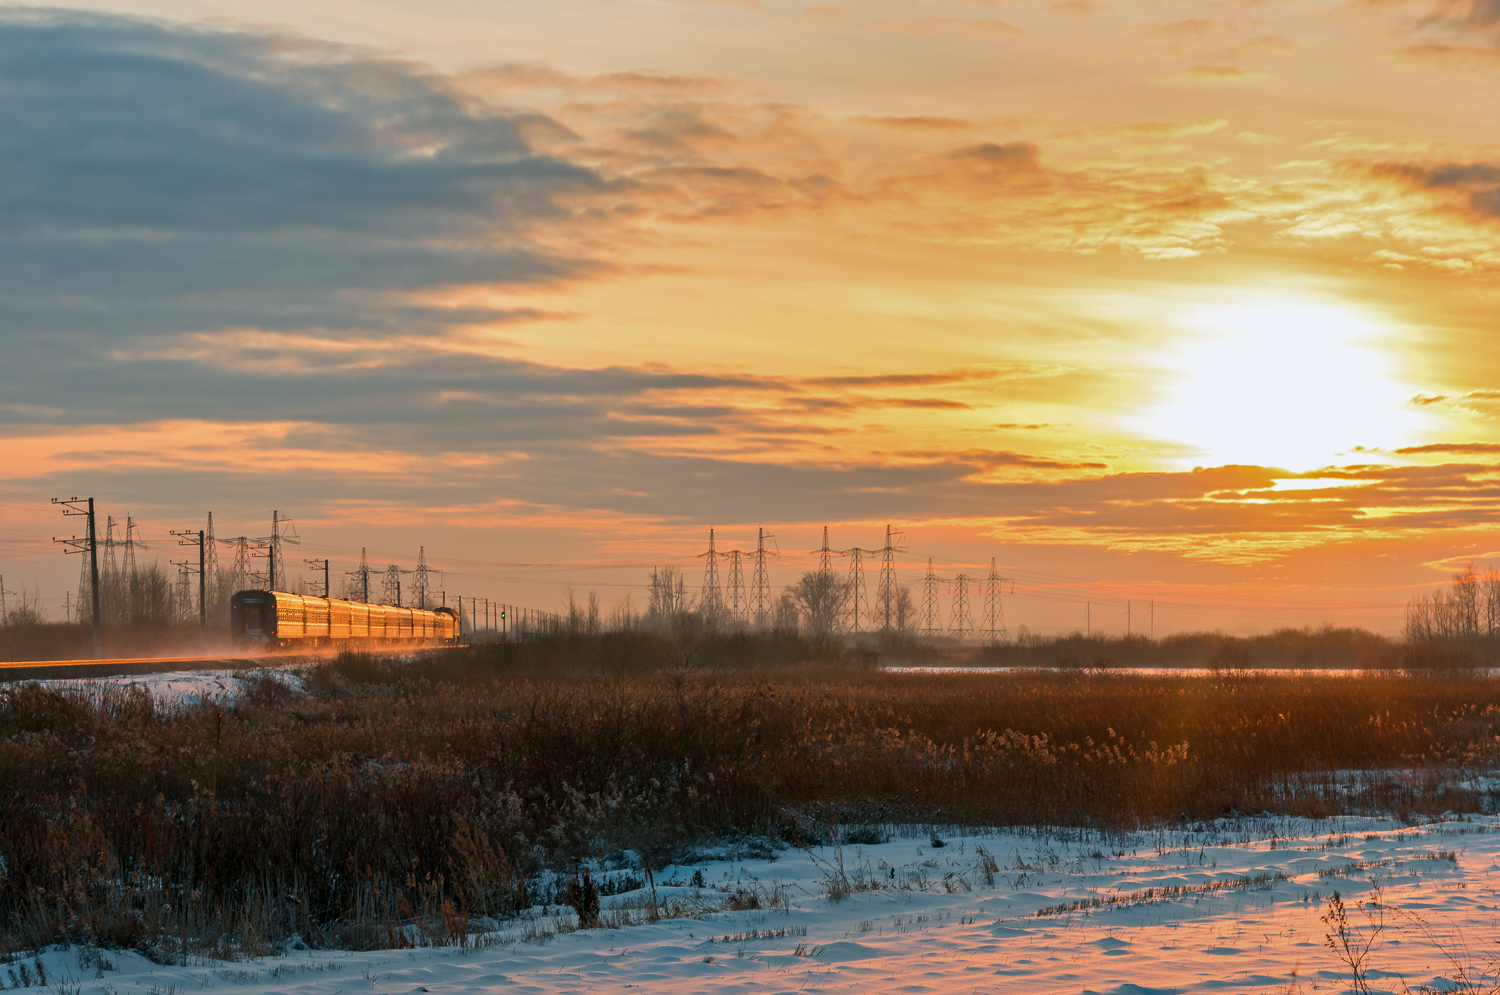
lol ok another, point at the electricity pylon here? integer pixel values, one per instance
(857, 600)
(885, 595)
(994, 611)
(275, 568)
(419, 579)
(929, 601)
(211, 562)
(361, 575)
(391, 587)
(131, 542)
(111, 570)
(960, 624)
(760, 582)
(241, 576)
(736, 587)
(711, 603)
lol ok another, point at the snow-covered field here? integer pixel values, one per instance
(1230, 907)
(180, 687)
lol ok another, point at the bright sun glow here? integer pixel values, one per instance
(1286, 385)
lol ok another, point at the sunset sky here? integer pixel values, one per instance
(1193, 303)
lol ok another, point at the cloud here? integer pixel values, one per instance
(1010, 156)
(962, 26)
(1212, 74)
(1451, 448)
(920, 123)
(1189, 29)
(1477, 184)
(1442, 54)
(156, 179)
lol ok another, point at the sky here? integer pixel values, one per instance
(1175, 311)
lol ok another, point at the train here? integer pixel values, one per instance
(279, 619)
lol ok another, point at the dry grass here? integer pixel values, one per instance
(397, 804)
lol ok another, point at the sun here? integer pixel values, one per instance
(1290, 385)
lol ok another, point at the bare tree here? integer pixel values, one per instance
(904, 611)
(669, 595)
(820, 599)
(784, 614)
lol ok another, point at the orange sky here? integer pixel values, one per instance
(1185, 303)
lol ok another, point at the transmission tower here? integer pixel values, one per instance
(275, 568)
(825, 557)
(391, 588)
(85, 589)
(361, 578)
(128, 565)
(243, 577)
(736, 587)
(211, 563)
(886, 594)
(961, 624)
(760, 584)
(711, 603)
(858, 603)
(994, 611)
(111, 567)
(930, 624)
(419, 579)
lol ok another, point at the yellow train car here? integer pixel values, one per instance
(275, 618)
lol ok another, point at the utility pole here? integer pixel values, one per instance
(1088, 618)
(89, 545)
(190, 538)
(68, 607)
(1127, 619)
(315, 565)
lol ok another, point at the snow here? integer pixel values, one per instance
(1227, 907)
(182, 687)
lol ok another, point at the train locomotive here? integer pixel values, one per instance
(279, 619)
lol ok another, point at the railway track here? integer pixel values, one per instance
(31, 670)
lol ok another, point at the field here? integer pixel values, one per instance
(366, 804)
(1240, 905)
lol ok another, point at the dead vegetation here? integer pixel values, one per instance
(398, 804)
